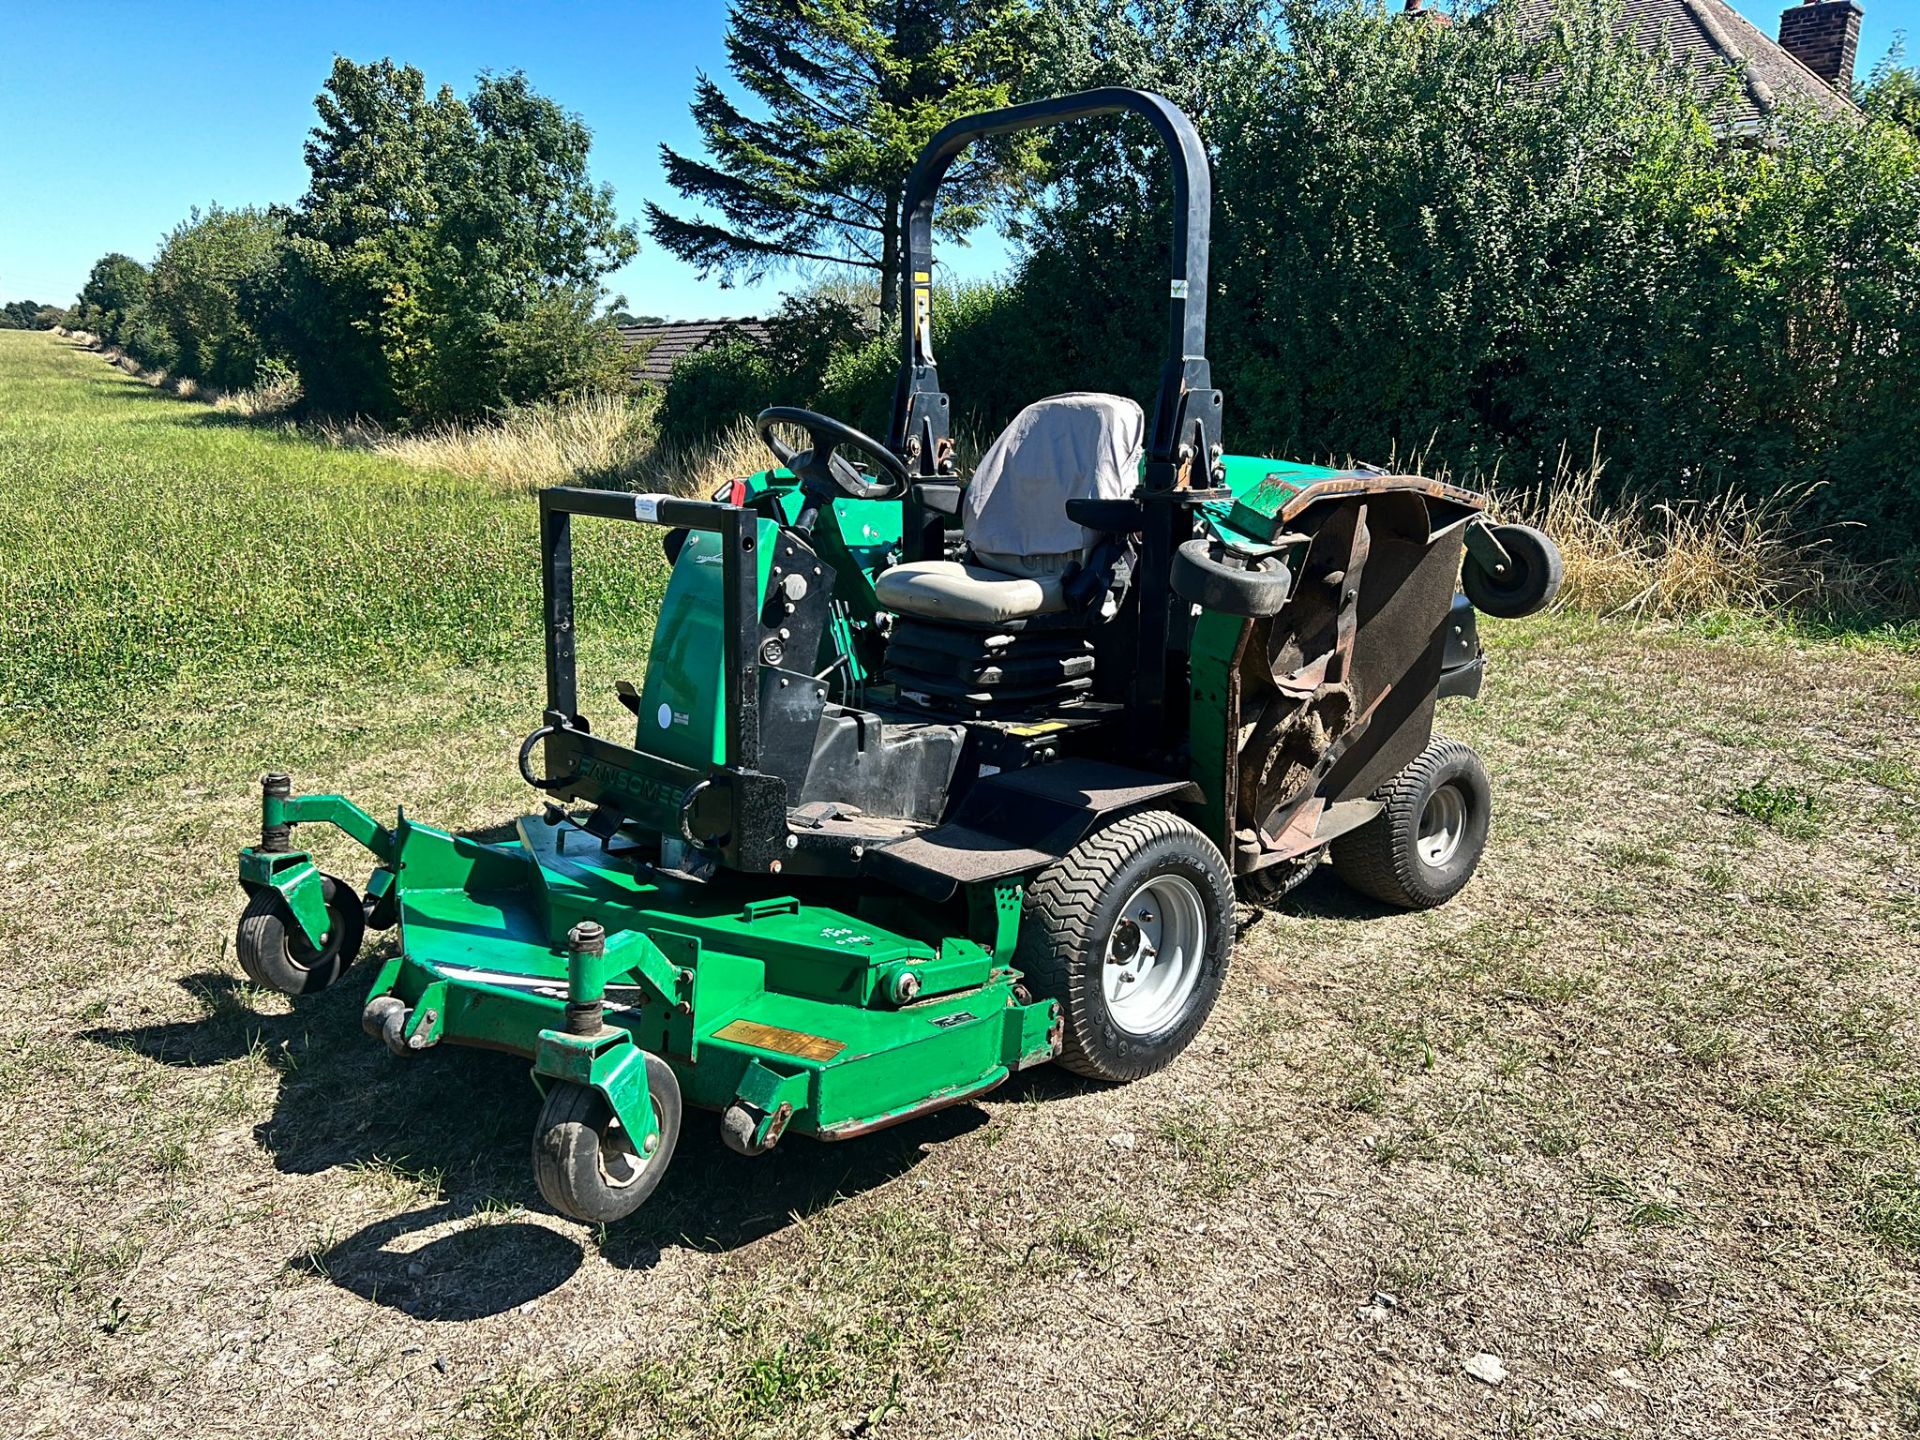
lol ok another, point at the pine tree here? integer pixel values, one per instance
(851, 90)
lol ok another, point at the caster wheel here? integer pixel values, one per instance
(585, 1164)
(736, 1130)
(373, 1019)
(1532, 580)
(393, 1031)
(1130, 932)
(275, 954)
(738, 1124)
(1425, 844)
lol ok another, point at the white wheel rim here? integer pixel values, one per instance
(1154, 955)
(1443, 821)
(620, 1163)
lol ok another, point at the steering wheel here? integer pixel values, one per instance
(820, 468)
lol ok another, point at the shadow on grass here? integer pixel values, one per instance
(457, 1124)
(1324, 896)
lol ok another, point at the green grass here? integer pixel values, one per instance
(1789, 809)
(157, 546)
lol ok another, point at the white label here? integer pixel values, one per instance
(647, 507)
(1179, 289)
(665, 717)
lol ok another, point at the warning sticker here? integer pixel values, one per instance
(1045, 727)
(782, 1042)
(647, 507)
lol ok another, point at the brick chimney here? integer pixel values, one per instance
(1417, 10)
(1823, 35)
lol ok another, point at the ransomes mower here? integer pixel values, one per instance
(932, 777)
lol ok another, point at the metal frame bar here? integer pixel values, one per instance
(738, 529)
(1186, 368)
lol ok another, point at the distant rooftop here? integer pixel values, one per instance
(664, 345)
(1710, 39)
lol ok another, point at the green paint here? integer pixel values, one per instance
(682, 705)
(1212, 723)
(299, 882)
(483, 947)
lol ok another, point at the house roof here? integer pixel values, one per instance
(663, 345)
(1710, 36)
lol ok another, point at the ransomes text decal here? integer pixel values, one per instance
(654, 794)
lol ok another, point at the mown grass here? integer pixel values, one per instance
(1640, 1103)
(154, 545)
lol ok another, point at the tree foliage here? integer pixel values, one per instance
(439, 245)
(1892, 90)
(205, 281)
(114, 294)
(30, 315)
(840, 96)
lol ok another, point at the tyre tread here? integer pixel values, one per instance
(1062, 903)
(1369, 859)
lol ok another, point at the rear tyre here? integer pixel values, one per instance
(1534, 572)
(275, 953)
(585, 1164)
(1130, 932)
(1426, 842)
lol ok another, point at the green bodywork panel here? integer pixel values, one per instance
(685, 684)
(682, 706)
(749, 993)
(1263, 488)
(1213, 719)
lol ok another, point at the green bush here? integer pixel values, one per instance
(733, 376)
(446, 258)
(206, 278)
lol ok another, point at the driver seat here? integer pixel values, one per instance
(1020, 545)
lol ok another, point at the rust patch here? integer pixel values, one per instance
(783, 1042)
(1379, 485)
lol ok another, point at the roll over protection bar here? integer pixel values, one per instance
(1186, 417)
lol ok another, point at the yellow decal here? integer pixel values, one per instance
(1045, 727)
(784, 1042)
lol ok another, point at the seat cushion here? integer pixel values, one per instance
(966, 594)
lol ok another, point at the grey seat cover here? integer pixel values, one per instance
(1014, 511)
(1067, 447)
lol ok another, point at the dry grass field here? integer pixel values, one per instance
(1638, 1114)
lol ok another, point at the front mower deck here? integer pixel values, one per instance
(779, 1002)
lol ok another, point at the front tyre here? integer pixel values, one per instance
(1427, 840)
(275, 953)
(1130, 931)
(585, 1163)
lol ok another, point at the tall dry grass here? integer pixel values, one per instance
(605, 440)
(1725, 554)
(1669, 560)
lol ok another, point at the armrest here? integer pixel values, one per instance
(1109, 517)
(939, 496)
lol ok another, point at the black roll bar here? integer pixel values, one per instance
(1186, 419)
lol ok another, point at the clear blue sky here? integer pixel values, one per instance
(116, 117)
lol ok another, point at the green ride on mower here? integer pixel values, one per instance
(932, 778)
